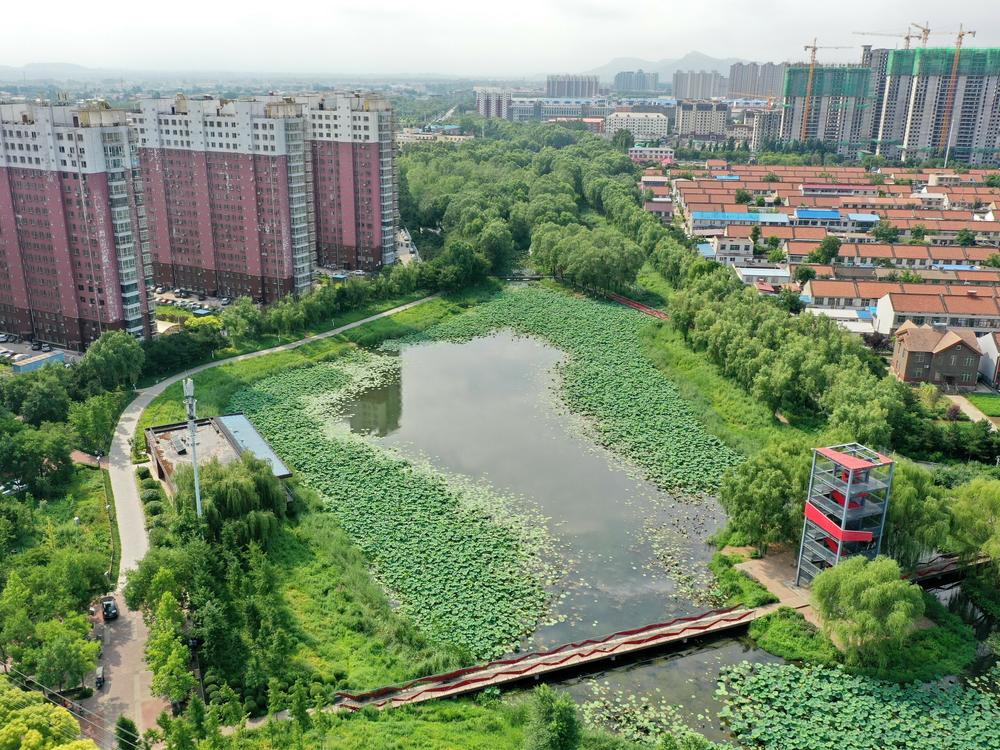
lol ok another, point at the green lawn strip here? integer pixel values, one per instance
(987, 403)
(346, 628)
(785, 706)
(786, 633)
(270, 340)
(172, 313)
(634, 410)
(735, 586)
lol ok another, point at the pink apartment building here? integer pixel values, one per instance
(73, 255)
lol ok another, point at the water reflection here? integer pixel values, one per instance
(378, 411)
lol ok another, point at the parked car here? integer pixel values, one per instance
(202, 297)
(36, 346)
(225, 301)
(46, 347)
(99, 678)
(159, 290)
(109, 608)
(3, 338)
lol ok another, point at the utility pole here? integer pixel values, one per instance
(193, 431)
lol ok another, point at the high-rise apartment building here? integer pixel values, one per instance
(702, 118)
(835, 108)
(493, 103)
(73, 252)
(354, 178)
(636, 80)
(756, 79)
(925, 112)
(572, 86)
(228, 195)
(765, 127)
(704, 84)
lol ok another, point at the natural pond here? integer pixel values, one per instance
(488, 410)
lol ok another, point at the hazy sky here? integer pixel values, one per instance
(462, 37)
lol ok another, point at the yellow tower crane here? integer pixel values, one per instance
(906, 36)
(944, 138)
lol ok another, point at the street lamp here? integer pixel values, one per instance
(193, 429)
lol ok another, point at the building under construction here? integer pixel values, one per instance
(845, 511)
(828, 103)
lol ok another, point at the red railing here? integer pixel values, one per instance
(638, 306)
(544, 660)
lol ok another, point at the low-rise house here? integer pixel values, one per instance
(989, 365)
(763, 274)
(734, 251)
(980, 312)
(947, 357)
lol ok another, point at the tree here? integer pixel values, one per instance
(743, 196)
(497, 244)
(29, 722)
(965, 237)
(755, 234)
(826, 252)
(993, 261)
(790, 300)
(553, 723)
(622, 141)
(299, 708)
(776, 255)
(241, 320)
(38, 456)
(46, 399)
(763, 496)
(917, 234)
(867, 607)
(993, 180)
(126, 733)
(93, 420)
(63, 655)
(804, 274)
(884, 231)
(173, 679)
(460, 266)
(976, 510)
(771, 177)
(919, 521)
(115, 360)
(16, 629)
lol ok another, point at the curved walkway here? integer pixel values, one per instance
(128, 679)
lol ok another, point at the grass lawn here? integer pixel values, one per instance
(216, 386)
(271, 340)
(987, 403)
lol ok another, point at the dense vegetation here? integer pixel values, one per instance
(29, 722)
(775, 706)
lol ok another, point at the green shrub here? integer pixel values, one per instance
(142, 472)
(154, 508)
(786, 633)
(148, 496)
(736, 587)
(149, 483)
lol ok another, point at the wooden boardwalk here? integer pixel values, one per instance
(538, 664)
(651, 311)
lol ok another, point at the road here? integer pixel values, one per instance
(970, 410)
(127, 689)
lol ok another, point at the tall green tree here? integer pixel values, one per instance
(622, 140)
(113, 361)
(965, 237)
(553, 723)
(919, 521)
(63, 654)
(976, 510)
(885, 231)
(867, 607)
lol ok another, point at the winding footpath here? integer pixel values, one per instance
(128, 689)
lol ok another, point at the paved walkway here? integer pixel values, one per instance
(128, 680)
(970, 410)
(776, 573)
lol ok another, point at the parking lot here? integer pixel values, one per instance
(186, 300)
(26, 347)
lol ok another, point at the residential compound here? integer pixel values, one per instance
(691, 84)
(221, 197)
(757, 79)
(936, 271)
(74, 253)
(702, 118)
(571, 86)
(636, 80)
(902, 104)
(643, 126)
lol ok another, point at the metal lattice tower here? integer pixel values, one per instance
(849, 489)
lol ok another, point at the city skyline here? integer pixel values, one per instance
(393, 38)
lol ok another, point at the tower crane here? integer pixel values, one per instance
(906, 37)
(925, 31)
(811, 48)
(944, 139)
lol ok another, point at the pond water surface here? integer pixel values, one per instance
(488, 410)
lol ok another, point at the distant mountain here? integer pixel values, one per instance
(665, 67)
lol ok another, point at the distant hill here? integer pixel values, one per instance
(665, 67)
